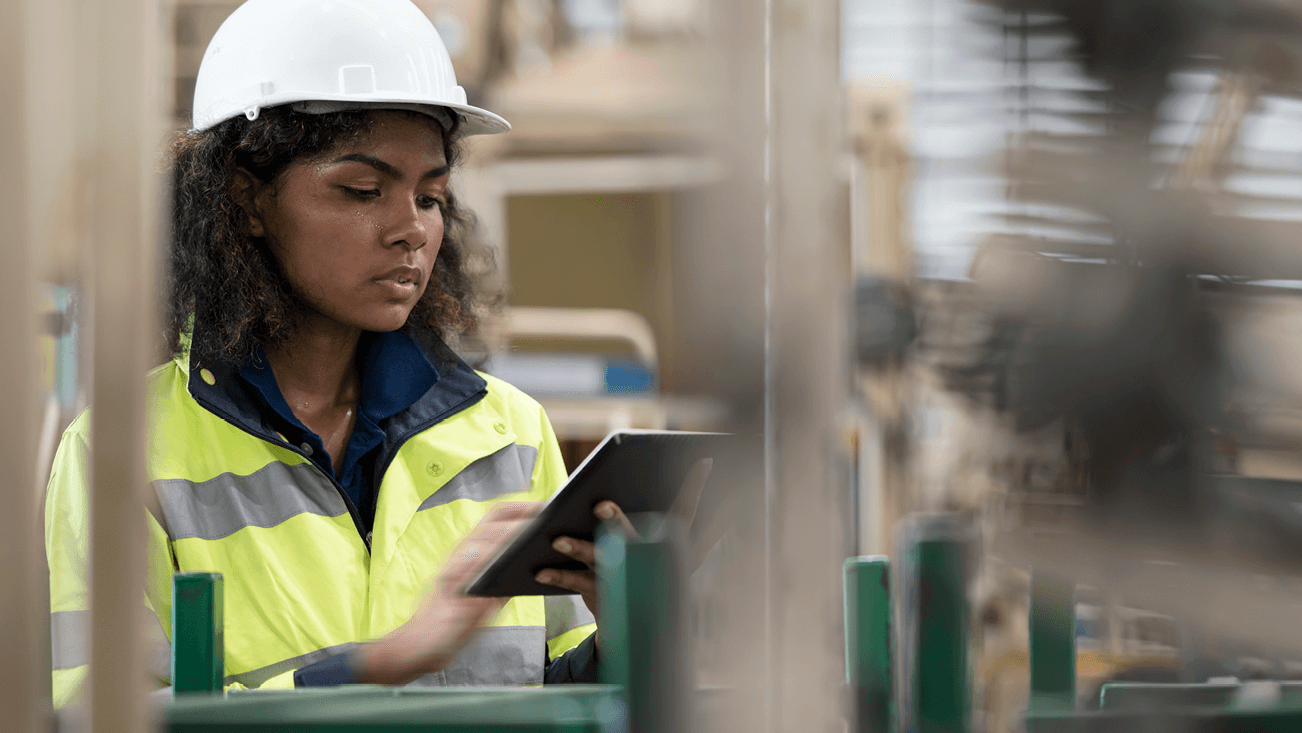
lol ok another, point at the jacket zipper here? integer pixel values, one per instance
(352, 508)
(348, 503)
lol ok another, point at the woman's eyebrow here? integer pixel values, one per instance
(385, 168)
(436, 172)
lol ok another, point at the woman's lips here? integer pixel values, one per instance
(400, 282)
(403, 274)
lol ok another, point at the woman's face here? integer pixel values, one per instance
(357, 231)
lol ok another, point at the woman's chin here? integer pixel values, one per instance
(381, 319)
(390, 322)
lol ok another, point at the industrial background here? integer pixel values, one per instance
(1008, 291)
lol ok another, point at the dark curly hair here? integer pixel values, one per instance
(226, 288)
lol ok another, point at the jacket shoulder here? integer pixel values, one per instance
(78, 431)
(160, 377)
(506, 395)
(527, 417)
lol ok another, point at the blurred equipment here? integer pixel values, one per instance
(1112, 340)
(885, 323)
(589, 393)
(579, 374)
(1123, 334)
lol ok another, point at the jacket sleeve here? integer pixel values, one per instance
(67, 529)
(576, 666)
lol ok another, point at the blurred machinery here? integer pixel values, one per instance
(1125, 342)
(1123, 347)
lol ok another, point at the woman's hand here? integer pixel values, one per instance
(447, 620)
(584, 582)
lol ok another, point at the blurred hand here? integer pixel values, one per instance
(584, 582)
(447, 619)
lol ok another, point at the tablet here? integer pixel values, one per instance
(640, 470)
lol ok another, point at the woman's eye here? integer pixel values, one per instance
(429, 202)
(362, 193)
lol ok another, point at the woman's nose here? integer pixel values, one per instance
(409, 228)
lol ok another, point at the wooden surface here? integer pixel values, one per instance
(22, 634)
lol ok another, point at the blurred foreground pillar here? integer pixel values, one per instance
(810, 517)
(22, 659)
(720, 306)
(121, 154)
(765, 281)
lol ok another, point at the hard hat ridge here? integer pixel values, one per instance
(355, 53)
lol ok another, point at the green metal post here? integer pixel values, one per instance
(867, 588)
(941, 681)
(198, 652)
(640, 620)
(1053, 642)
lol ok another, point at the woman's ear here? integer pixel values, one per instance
(245, 190)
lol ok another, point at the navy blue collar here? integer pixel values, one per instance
(453, 387)
(395, 374)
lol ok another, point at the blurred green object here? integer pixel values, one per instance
(867, 590)
(1151, 696)
(941, 681)
(1053, 642)
(641, 616)
(642, 653)
(365, 709)
(1282, 719)
(1165, 695)
(198, 651)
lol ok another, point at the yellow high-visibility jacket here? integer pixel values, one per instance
(303, 581)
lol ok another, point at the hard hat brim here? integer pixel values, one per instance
(476, 121)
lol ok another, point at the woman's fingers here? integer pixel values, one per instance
(614, 518)
(512, 511)
(485, 539)
(583, 582)
(584, 552)
(447, 619)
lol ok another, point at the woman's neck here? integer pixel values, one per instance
(317, 370)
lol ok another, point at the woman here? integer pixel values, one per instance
(314, 439)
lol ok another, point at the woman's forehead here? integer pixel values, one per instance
(410, 135)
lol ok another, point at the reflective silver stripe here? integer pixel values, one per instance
(70, 643)
(256, 677)
(69, 639)
(505, 472)
(501, 655)
(221, 506)
(566, 613)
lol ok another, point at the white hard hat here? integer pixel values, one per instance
(336, 54)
